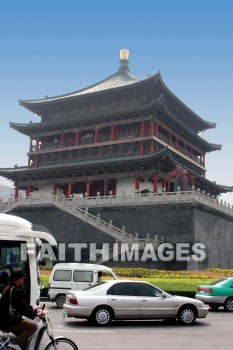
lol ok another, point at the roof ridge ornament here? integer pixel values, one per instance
(124, 56)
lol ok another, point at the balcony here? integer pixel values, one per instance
(134, 135)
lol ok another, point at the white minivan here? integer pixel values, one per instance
(67, 276)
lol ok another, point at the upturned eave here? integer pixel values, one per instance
(95, 164)
(159, 103)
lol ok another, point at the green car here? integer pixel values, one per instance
(217, 293)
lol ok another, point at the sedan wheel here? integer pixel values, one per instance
(187, 315)
(228, 305)
(102, 316)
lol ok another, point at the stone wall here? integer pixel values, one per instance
(174, 223)
(216, 232)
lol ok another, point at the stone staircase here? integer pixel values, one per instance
(119, 234)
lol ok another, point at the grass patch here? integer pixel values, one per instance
(176, 285)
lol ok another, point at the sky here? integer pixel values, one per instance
(53, 47)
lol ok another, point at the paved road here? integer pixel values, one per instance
(214, 332)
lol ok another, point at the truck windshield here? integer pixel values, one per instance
(95, 286)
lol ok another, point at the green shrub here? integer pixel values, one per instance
(46, 267)
(141, 272)
(227, 272)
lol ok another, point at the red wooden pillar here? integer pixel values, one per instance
(112, 133)
(16, 192)
(170, 138)
(142, 128)
(106, 186)
(62, 139)
(151, 127)
(36, 157)
(113, 187)
(69, 191)
(37, 144)
(152, 146)
(141, 148)
(28, 191)
(168, 184)
(30, 147)
(164, 184)
(88, 187)
(157, 128)
(183, 182)
(136, 185)
(54, 188)
(96, 135)
(76, 138)
(155, 187)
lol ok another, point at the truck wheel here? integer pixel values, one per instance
(60, 300)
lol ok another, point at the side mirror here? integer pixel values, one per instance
(164, 295)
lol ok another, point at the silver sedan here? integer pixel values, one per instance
(131, 300)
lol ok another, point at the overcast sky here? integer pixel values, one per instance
(53, 47)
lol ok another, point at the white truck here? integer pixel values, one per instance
(67, 276)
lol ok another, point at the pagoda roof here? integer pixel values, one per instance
(153, 86)
(159, 103)
(118, 80)
(163, 154)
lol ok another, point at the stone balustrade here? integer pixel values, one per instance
(77, 204)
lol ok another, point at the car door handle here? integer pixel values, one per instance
(113, 299)
(144, 300)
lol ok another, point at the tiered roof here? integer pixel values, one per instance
(94, 97)
(119, 95)
(82, 108)
(157, 105)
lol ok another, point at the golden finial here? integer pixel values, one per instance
(124, 54)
